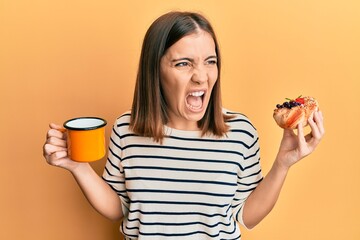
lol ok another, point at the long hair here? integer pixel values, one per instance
(149, 109)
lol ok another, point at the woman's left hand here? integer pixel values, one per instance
(295, 147)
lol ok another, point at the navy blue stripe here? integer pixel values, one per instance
(253, 174)
(112, 164)
(246, 190)
(182, 213)
(182, 149)
(239, 120)
(182, 159)
(178, 224)
(237, 214)
(252, 165)
(180, 192)
(242, 131)
(252, 145)
(116, 182)
(108, 172)
(252, 155)
(123, 196)
(121, 191)
(116, 133)
(115, 143)
(249, 184)
(179, 180)
(104, 178)
(129, 135)
(180, 169)
(236, 205)
(123, 125)
(128, 234)
(115, 155)
(235, 113)
(189, 233)
(179, 203)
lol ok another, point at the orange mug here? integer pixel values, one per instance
(86, 138)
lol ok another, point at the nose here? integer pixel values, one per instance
(200, 75)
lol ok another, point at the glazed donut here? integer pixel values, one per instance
(291, 113)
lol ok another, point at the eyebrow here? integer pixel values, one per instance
(192, 60)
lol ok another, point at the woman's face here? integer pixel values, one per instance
(188, 73)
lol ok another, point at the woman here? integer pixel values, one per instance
(179, 165)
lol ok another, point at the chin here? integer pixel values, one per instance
(196, 116)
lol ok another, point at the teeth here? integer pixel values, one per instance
(197, 94)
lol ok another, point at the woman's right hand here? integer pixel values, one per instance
(55, 148)
(100, 195)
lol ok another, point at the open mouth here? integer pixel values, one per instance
(194, 100)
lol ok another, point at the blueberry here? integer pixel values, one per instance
(287, 105)
(292, 104)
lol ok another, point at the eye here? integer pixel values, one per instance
(182, 64)
(211, 62)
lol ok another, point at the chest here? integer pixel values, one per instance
(186, 172)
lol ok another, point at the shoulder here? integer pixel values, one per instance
(124, 118)
(237, 118)
(122, 122)
(239, 123)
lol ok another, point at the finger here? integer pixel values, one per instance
(300, 133)
(315, 131)
(321, 115)
(58, 155)
(319, 119)
(56, 141)
(57, 127)
(50, 149)
(302, 149)
(54, 159)
(56, 131)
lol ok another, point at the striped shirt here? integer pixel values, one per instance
(188, 187)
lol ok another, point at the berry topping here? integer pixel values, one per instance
(287, 104)
(291, 103)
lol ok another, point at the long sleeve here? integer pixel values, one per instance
(249, 175)
(113, 173)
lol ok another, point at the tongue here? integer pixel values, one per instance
(195, 102)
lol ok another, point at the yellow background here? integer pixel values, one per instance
(69, 58)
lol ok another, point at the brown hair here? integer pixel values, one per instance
(149, 109)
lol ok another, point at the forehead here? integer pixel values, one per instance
(195, 44)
